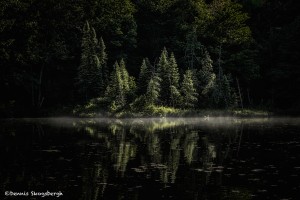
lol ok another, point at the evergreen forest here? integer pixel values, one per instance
(90, 57)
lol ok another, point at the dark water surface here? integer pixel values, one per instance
(194, 158)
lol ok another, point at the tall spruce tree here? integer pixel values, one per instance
(188, 90)
(103, 61)
(173, 76)
(173, 71)
(207, 79)
(175, 96)
(115, 90)
(162, 69)
(124, 76)
(89, 75)
(145, 74)
(129, 85)
(121, 87)
(153, 90)
(168, 72)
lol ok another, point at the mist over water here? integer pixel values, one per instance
(159, 158)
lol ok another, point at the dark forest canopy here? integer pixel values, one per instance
(218, 53)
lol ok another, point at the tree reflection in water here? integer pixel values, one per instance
(93, 159)
(157, 147)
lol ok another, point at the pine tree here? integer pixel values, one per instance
(115, 89)
(168, 72)
(83, 68)
(173, 71)
(124, 76)
(103, 62)
(207, 79)
(175, 96)
(129, 85)
(146, 72)
(121, 87)
(173, 76)
(89, 72)
(153, 90)
(162, 68)
(189, 94)
(131, 94)
(163, 62)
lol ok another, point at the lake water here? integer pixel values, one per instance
(137, 159)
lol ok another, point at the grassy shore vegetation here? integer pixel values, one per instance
(95, 109)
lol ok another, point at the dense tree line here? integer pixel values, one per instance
(222, 53)
(159, 85)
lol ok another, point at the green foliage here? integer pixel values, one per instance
(43, 52)
(173, 73)
(103, 61)
(223, 95)
(93, 108)
(138, 104)
(124, 76)
(121, 87)
(189, 93)
(114, 19)
(153, 90)
(246, 60)
(228, 25)
(160, 111)
(162, 69)
(251, 113)
(168, 72)
(146, 72)
(163, 61)
(193, 50)
(143, 75)
(192, 14)
(90, 79)
(115, 90)
(207, 77)
(173, 76)
(158, 5)
(175, 96)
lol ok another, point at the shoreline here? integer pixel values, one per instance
(176, 113)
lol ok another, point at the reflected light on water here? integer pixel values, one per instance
(177, 158)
